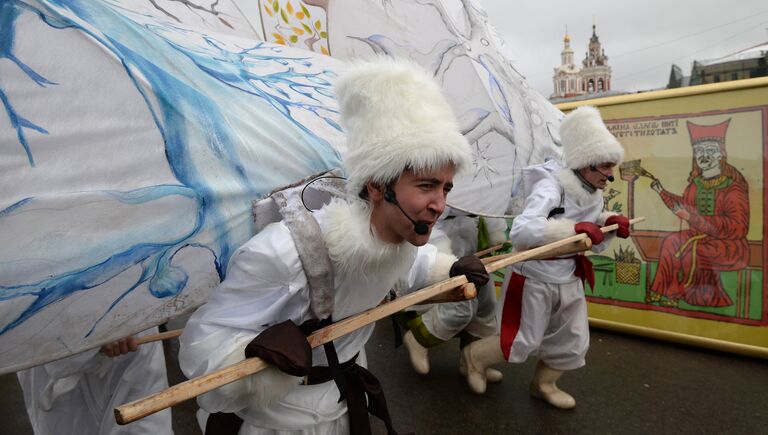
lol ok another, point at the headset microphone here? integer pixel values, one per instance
(419, 228)
(608, 177)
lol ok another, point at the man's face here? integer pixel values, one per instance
(421, 195)
(598, 177)
(707, 155)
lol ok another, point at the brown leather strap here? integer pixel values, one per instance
(223, 423)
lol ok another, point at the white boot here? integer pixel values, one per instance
(418, 353)
(478, 356)
(491, 375)
(543, 387)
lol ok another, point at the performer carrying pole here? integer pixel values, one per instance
(403, 148)
(450, 290)
(544, 310)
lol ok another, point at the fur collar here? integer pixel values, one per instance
(574, 189)
(353, 246)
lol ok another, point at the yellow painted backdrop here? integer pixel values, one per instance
(652, 127)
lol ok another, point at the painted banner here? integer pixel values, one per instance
(131, 152)
(135, 135)
(508, 125)
(696, 169)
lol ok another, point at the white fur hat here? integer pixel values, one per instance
(396, 118)
(586, 141)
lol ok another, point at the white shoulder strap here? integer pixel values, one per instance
(288, 204)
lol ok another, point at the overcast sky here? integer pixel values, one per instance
(641, 39)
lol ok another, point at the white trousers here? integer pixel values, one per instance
(476, 316)
(548, 321)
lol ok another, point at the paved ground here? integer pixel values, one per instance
(630, 386)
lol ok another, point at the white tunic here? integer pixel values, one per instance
(265, 284)
(77, 395)
(549, 312)
(552, 186)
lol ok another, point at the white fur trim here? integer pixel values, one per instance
(354, 248)
(497, 237)
(586, 141)
(262, 388)
(396, 117)
(270, 385)
(575, 190)
(441, 269)
(443, 244)
(558, 229)
(240, 387)
(497, 230)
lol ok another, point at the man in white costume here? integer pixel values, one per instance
(77, 395)
(468, 320)
(403, 147)
(544, 310)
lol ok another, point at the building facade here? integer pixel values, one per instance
(593, 77)
(745, 64)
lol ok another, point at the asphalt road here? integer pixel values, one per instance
(630, 385)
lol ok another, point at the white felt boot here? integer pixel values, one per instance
(491, 375)
(419, 354)
(478, 356)
(543, 387)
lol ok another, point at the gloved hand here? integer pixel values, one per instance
(473, 268)
(284, 346)
(591, 230)
(622, 222)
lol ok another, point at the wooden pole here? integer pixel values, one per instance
(460, 294)
(178, 393)
(157, 337)
(489, 250)
(582, 245)
(463, 293)
(570, 245)
(545, 250)
(351, 324)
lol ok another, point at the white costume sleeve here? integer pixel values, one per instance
(532, 228)
(430, 266)
(78, 394)
(265, 285)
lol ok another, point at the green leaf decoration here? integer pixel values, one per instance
(324, 35)
(284, 16)
(306, 12)
(307, 28)
(275, 6)
(293, 38)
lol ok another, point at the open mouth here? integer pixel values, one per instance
(428, 223)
